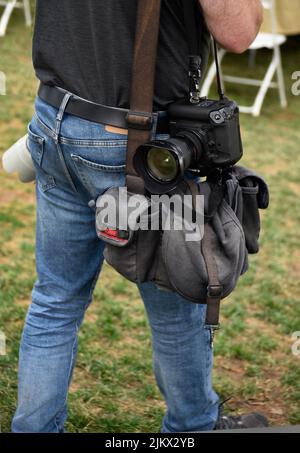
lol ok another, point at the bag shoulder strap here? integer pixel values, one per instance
(214, 288)
(140, 117)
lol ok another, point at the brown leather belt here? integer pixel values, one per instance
(97, 113)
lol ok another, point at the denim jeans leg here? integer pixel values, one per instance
(68, 258)
(182, 357)
(75, 161)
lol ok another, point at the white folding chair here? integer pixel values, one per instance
(9, 6)
(271, 41)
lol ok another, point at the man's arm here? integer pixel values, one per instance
(233, 23)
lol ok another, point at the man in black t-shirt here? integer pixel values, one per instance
(85, 48)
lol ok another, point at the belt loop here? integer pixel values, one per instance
(60, 115)
(154, 125)
(59, 118)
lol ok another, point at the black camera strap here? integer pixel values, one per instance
(190, 14)
(192, 32)
(218, 72)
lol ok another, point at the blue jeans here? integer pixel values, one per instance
(77, 160)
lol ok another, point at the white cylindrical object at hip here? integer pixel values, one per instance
(18, 159)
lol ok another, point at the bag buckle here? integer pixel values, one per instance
(215, 291)
(213, 328)
(140, 120)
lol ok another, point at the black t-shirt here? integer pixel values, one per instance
(86, 47)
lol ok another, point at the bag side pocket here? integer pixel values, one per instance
(123, 259)
(136, 259)
(251, 216)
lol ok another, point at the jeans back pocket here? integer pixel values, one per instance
(98, 172)
(36, 146)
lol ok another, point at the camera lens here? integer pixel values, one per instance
(162, 164)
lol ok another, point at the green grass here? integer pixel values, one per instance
(113, 388)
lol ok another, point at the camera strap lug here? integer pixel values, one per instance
(195, 77)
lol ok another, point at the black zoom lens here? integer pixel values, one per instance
(162, 163)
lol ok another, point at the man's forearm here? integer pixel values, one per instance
(234, 24)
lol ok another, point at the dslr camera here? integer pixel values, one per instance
(204, 136)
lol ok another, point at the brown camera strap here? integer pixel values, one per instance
(140, 117)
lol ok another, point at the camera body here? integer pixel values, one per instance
(216, 124)
(204, 136)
